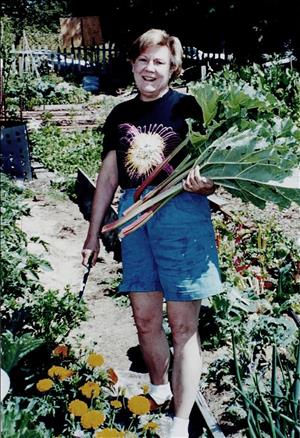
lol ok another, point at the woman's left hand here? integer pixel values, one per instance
(198, 184)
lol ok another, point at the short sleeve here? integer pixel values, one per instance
(110, 134)
(193, 109)
(189, 108)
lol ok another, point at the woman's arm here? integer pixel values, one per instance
(198, 184)
(107, 183)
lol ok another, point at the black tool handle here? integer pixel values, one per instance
(84, 279)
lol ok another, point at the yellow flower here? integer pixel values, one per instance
(61, 350)
(116, 404)
(145, 388)
(139, 405)
(44, 385)
(60, 372)
(90, 389)
(152, 426)
(95, 360)
(77, 407)
(112, 376)
(92, 419)
(109, 433)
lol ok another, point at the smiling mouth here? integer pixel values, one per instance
(148, 79)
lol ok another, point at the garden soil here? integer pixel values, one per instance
(109, 328)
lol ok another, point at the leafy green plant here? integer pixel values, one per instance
(64, 153)
(14, 348)
(29, 91)
(19, 269)
(54, 314)
(272, 410)
(18, 422)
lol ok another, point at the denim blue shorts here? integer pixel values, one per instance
(174, 252)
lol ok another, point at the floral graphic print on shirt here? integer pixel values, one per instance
(147, 147)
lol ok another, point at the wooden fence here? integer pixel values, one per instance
(98, 59)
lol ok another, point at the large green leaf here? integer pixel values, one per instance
(14, 348)
(208, 98)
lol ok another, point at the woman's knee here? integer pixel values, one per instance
(147, 324)
(183, 320)
(183, 331)
(147, 312)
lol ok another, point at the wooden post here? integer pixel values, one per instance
(212, 425)
(79, 58)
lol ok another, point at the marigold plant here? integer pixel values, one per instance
(95, 360)
(151, 426)
(92, 419)
(61, 350)
(116, 404)
(145, 388)
(110, 433)
(139, 405)
(77, 407)
(44, 385)
(90, 389)
(112, 376)
(60, 372)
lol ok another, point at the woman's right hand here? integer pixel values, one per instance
(90, 251)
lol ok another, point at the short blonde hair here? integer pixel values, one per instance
(158, 37)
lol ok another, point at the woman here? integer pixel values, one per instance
(173, 256)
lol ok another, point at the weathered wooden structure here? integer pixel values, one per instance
(80, 32)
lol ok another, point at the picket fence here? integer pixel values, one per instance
(97, 59)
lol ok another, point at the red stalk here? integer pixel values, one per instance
(160, 199)
(136, 224)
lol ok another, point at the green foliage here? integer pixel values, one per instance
(19, 269)
(258, 266)
(64, 153)
(33, 91)
(55, 314)
(246, 149)
(14, 348)
(17, 421)
(36, 15)
(6, 41)
(283, 82)
(273, 404)
(276, 87)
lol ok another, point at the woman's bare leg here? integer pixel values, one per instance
(148, 316)
(183, 320)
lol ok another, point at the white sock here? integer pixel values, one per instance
(160, 393)
(179, 428)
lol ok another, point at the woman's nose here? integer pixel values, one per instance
(150, 65)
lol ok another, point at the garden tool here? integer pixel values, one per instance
(84, 279)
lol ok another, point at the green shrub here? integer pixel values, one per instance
(65, 152)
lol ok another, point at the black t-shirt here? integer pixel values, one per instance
(144, 133)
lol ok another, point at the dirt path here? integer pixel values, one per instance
(58, 221)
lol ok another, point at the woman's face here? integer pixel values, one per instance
(152, 71)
